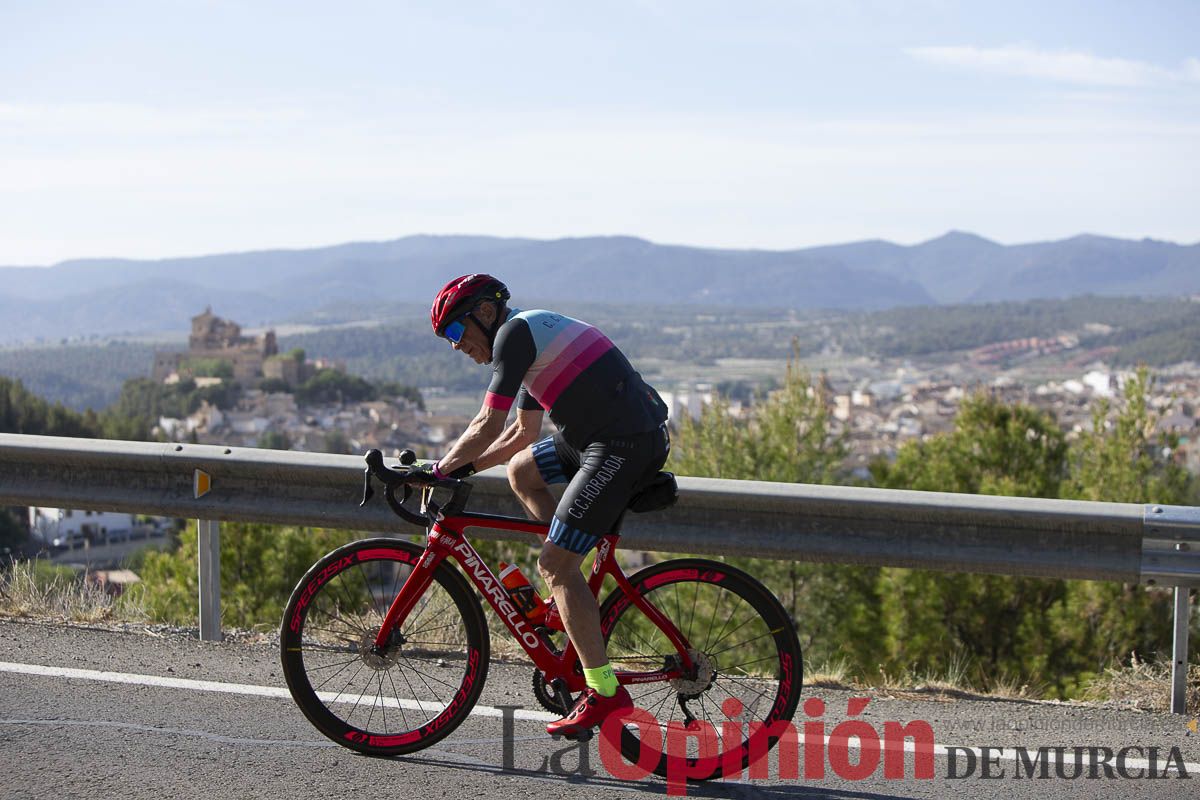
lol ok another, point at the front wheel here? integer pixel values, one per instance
(748, 666)
(407, 696)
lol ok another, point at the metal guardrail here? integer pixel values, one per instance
(848, 525)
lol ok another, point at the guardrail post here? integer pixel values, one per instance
(1179, 651)
(209, 547)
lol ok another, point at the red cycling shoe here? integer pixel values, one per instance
(590, 710)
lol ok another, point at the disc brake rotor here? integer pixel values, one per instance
(706, 673)
(378, 661)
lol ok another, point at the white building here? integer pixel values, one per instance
(66, 527)
(689, 401)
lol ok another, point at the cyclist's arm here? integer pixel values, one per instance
(479, 436)
(514, 352)
(516, 437)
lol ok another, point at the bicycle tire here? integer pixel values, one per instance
(746, 638)
(421, 688)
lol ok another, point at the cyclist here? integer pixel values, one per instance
(612, 438)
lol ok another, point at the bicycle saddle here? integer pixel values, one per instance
(661, 492)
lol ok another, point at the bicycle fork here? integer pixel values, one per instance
(437, 547)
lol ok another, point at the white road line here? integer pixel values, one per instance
(240, 688)
(1005, 754)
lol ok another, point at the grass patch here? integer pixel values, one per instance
(40, 590)
(1142, 685)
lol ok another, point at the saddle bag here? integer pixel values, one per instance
(660, 493)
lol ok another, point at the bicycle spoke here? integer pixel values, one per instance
(431, 677)
(670, 694)
(695, 597)
(361, 694)
(337, 634)
(421, 677)
(370, 594)
(341, 586)
(334, 675)
(741, 666)
(331, 666)
(751, 689)
(721, 635)
(371, 715)
(747, 621)
(396, 694)
(711, 620)
(429, 630)
(743, 643)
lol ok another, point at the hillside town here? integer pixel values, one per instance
(877, 412)
(267, 412)
(882, 404)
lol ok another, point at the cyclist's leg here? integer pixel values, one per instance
(529, 474)
(560, 568)
(609, 470)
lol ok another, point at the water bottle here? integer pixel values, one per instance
(522, 593)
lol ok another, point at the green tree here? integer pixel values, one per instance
(789, 437)
(208, 368)
(1003, 629)
(987, 626)
(994, 448)
(336, 442)
(331, 385)
(1122, 459)
(23, 412)
(275, 440)
(260, 565)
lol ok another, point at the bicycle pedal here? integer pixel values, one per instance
(580, 736)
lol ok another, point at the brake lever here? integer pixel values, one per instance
(368, 489)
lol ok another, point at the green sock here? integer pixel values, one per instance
(602, 680)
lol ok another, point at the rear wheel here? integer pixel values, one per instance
(410, 694)
(748, 666)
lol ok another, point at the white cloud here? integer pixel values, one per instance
(1064, 66)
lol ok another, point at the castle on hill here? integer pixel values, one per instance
(219, 340)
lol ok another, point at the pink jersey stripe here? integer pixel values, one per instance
(585, 359)
(498, 401)
(547, 357)
(563, 359)
(564, 338)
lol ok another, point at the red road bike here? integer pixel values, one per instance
(385, 647)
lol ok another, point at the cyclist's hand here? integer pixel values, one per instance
(422, 474)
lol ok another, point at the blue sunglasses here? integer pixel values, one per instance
(455, 330)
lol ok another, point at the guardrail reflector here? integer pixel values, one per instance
(201, 483)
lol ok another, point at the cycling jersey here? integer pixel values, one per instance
(549, 361)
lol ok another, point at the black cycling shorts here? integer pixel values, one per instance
(603, 476)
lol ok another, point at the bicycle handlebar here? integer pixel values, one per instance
(393, 479)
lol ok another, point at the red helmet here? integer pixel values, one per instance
(461, 295)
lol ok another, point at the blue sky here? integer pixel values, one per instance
(171, 128)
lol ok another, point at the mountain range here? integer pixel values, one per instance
(113, 296)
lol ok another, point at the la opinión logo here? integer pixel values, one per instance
(852, 750)
(871, 747)
(699, 741)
